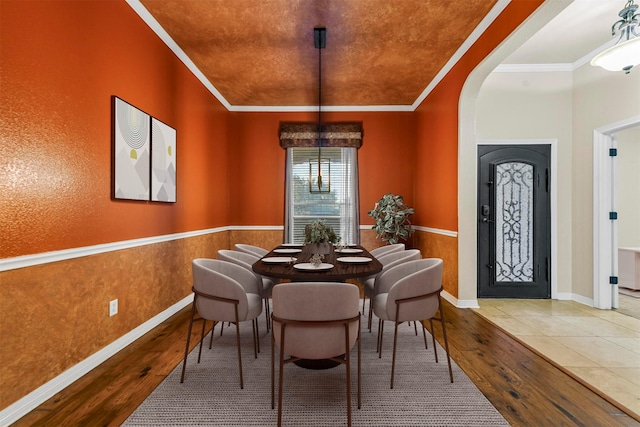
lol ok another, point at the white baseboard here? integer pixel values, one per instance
(22, 407)
(582, 300)
(460, 303)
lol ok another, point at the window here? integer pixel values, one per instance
(338, 206)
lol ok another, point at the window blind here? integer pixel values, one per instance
(338, 207)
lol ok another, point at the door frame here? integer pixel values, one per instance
(552, 202)
(605, 231)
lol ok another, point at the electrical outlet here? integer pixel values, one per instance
(113, 307)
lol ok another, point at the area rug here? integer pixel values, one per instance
(422, 393)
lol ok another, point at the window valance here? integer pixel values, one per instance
(332, 135)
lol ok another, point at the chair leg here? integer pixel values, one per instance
(238, 344)
(433, 337)
(446, 343)
(186, 350)
(359, 363)
(273, 345)
(280, 375)
(347, 357)
(424, 335)
(266, 313)
(215, 322)
(393, 359)
(254, 335)
(380, 333)
(370, 314)
(204, 323)
(415, 327)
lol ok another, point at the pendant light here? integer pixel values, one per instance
(625, 54)
(320, 42)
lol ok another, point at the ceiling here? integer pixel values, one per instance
(378, 53)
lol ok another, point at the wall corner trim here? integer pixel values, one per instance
(19, 409)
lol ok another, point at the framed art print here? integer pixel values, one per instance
(132, 152)
(163, 162)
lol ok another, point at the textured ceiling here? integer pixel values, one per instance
(261, 53)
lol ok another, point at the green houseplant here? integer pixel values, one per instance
(320, 232)
(392, 218)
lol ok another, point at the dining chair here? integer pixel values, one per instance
(246, 260)
(251, 249)
(223, 292)
(411, 291)
(388, 261)
(315, 320)
(387, 249)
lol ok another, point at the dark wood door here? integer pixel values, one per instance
(514, 221)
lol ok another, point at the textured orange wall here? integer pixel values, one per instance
(61, 64)
(436, 179)
(385, 162)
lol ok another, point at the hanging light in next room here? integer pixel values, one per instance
(625, 54)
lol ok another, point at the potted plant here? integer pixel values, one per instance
(392, 219)
(320, 234)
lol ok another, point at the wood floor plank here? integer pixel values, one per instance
(524, 387)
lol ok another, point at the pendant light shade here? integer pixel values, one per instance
(625, 54)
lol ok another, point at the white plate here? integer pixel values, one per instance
(307, 266)
(287, 251)
(354, 259)
(292, 245)
(278, 259)
(349, 250)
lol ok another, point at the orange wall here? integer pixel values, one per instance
(257, 168)
(61, 64)
(436, 179)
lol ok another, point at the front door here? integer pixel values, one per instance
(514, 221)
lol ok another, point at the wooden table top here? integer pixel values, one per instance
(340, 272)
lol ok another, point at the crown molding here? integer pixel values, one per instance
(533, 68)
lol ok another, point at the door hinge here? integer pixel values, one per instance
(613, 152)
(613, 215)
(613, 280)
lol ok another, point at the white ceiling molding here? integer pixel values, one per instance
(473, 37)
(532, 68)
(549, 68)
(171, 44)
(166, 38)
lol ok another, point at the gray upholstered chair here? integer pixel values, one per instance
(246, 260)
(223, 292)
(251, 249)
(387, 249)
(388, 261)
(411, 291)
(315, 320)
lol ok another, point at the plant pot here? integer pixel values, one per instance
(320, 248)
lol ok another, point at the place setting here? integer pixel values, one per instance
(354, 259)
(347, 250)
(279, 260)
(287, 250)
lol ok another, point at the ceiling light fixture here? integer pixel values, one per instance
(626, 52)
(320, 42)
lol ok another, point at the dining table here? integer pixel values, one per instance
(294, 262)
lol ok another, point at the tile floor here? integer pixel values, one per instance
(601, 348)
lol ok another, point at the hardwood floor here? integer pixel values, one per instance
(526, 389)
